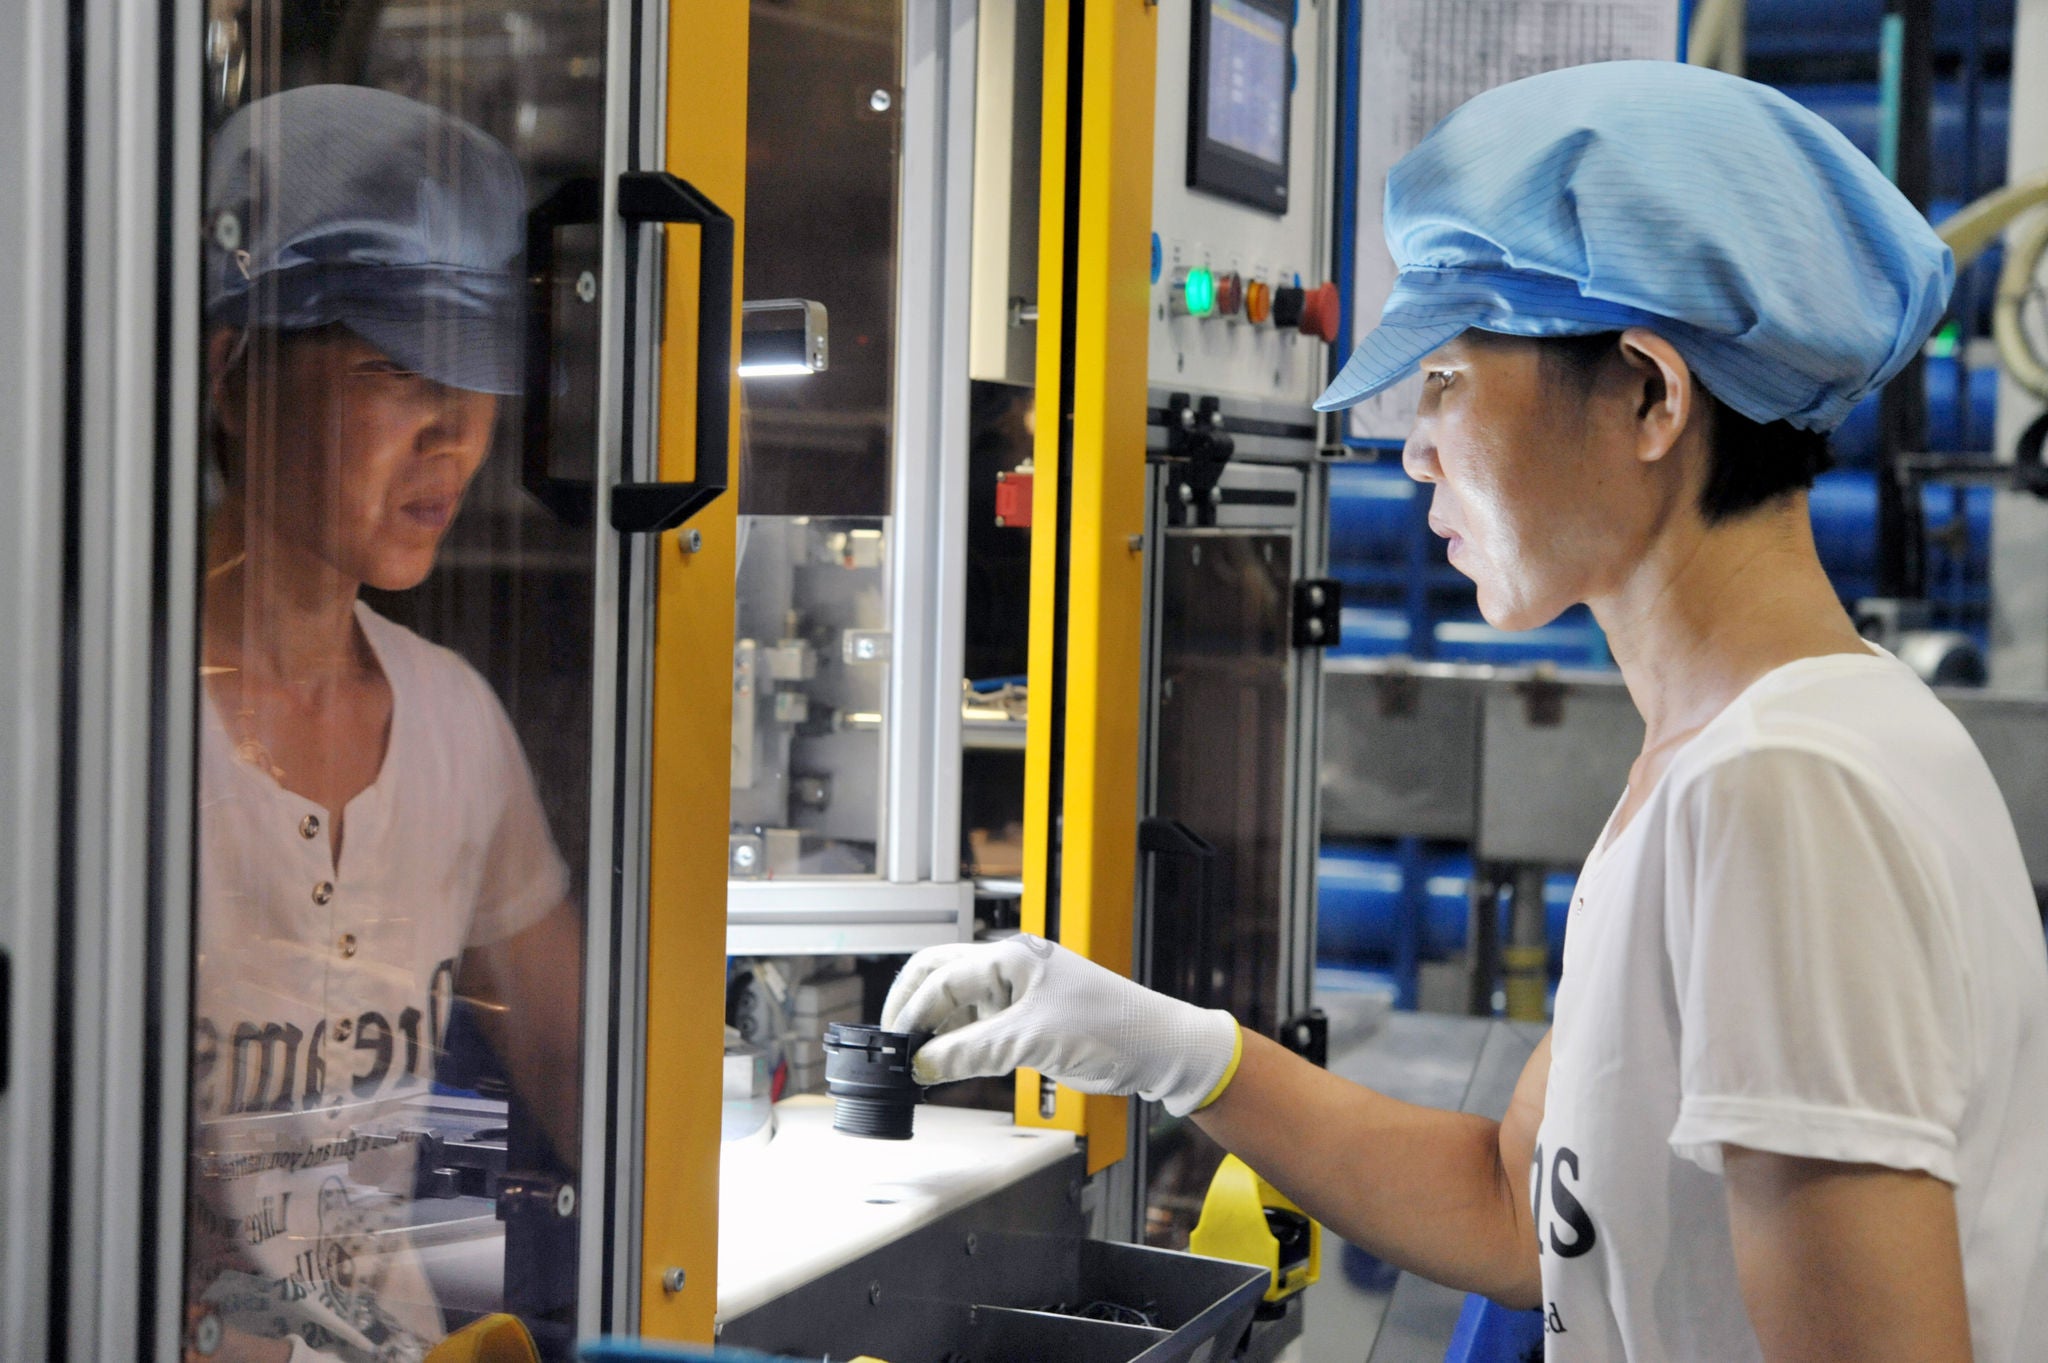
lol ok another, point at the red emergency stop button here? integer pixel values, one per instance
(1319, 311)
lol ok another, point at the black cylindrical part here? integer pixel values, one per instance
(867, 1072)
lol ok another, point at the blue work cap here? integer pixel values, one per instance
(341, 204)
(1790, 274)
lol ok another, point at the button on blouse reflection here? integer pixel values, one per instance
(346, 944)
(309, 827)
(323, 892)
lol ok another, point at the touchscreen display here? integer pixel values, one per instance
(1248, 80)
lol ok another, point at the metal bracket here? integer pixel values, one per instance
(1197, 449)
(1308, 1036)
(1318, 612)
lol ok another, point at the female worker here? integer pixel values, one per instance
(370, 840)
(1794, 1104)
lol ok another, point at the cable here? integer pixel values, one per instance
(2016, 284)
(1970, 232)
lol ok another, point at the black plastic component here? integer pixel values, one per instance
(867, 1072)
(1318, 612)
(655, 196)
(1288, 302)
(574, 202)
(1197, 449)
(644, 197)
(1308, 1036)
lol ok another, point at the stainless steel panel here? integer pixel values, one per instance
(2012, 733)
(1011, 1279)
(32, 310)
(1003, 335)
(1400, 754)
(931, 1263)
(1554, 762)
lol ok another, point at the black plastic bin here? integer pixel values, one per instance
(1021, 1298)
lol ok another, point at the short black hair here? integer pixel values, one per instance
(1749, 462)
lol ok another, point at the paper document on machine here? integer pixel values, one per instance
(1420, 59)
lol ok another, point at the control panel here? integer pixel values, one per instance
(1241, 196)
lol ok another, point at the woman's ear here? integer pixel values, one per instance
(1661, 389)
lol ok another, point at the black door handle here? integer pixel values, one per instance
(574, 203)
(655, 196)
(644, 197)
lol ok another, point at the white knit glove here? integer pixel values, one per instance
(1026, 1002)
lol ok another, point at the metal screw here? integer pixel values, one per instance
(744, 856)
(973, 1243)
(1135, 543)
(586, 286)
(880, 101)
(565, 1201)
(227, 234)
(1315, 628)
(1316, 597)
(874, 1294)
(673, 1280)
(692, 541)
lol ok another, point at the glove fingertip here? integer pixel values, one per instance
(928, 1065)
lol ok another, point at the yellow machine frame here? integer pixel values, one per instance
(692, 722)
(1088, 508)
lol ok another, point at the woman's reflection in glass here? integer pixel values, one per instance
(371, 843)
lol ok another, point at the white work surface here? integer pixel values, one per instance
(810, 1200)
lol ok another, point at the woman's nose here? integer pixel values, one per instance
(1418, 456)
(456, 418)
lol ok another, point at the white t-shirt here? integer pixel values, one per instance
(1817, 937)
(322, 996)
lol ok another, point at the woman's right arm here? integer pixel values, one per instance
(1443, 1194)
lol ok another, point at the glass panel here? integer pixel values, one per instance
(811, 651)
(396, 645)
(1222, 767)
(823, 154)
